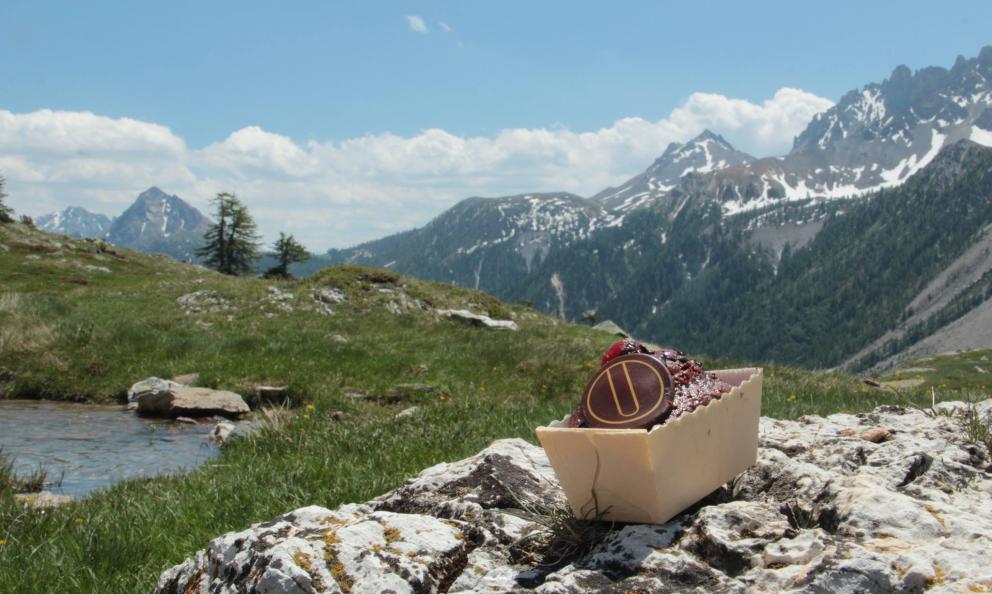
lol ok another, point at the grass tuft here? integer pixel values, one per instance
(560, 538)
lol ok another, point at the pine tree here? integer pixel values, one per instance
(230, 244)
(6, 213)
(286, 250)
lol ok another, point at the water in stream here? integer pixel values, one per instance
(92, 446)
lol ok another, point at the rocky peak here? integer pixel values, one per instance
(152, 193)
(159, 222)
(706, 153)
(891, 111)
(74, 221)
(985, 56)
(890, 501)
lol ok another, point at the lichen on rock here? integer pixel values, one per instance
(824, 509)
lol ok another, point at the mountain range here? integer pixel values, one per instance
(708, 232)
(156, 223)
(865, 245)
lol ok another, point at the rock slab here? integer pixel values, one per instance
(474, 319)
(191, 402)
(823, 510)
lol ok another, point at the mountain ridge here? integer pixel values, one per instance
(75, 221)
(703, 204)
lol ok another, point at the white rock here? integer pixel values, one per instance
(221, 433)
(329, 295)
(407, 412)
(316, 550)
(478, 319)
(204, 301)
(43, 500)
(822, 510)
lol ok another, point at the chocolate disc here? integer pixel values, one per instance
(630, 392)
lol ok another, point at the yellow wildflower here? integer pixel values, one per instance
(3, 541)
(311, 407)
(306, 417)
(79, 520)
(442, 397)
(791, 398)
(482, 388)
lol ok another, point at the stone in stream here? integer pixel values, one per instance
(191, 402)
(221, 433)
(148, 386)
(822, 510)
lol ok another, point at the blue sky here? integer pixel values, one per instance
(305, 79)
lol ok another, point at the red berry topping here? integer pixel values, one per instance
(627, 346)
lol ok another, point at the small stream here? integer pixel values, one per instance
(94, 446)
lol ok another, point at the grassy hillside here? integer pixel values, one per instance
(952, 372)
(83, 321)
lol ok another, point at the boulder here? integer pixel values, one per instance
(149, 386)
(610, 327)
(191, 402)
(822, 510)
(329, 295)
(473, 319)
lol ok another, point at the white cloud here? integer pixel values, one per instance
(416, 23)
(445, 27)
(338, 193)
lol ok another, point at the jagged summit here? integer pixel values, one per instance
(906, 107)
(706, 153)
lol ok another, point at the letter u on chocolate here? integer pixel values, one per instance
(633, 391)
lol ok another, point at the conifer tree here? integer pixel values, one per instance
(286, 250)
(231, 243)
(6, 213)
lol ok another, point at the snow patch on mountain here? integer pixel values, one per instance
(981, 136)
